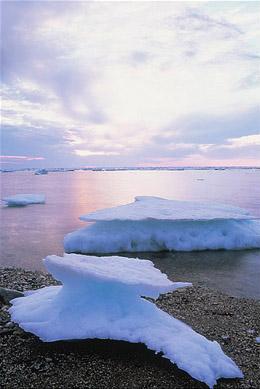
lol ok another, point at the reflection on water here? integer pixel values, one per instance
(29, 234)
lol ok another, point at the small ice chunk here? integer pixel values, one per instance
(101, 298)
(40, 172)
(257, 339)
(24, 199)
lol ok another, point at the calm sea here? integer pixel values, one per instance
(30, 233)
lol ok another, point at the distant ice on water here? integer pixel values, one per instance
(40, 172)
(24, 199)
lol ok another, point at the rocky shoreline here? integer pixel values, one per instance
(26, 362)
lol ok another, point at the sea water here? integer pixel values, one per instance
(30, 233)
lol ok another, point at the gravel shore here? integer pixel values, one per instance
(26, 362)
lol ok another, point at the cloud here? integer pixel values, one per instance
(21, 157)
(195, 20)
(87, 153)
(244, 141)
(125, 83)
(214, 128)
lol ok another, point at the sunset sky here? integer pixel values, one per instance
(130, 84)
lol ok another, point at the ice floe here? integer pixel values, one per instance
(24, 199)
(156, 208)
(101, 298)
(156, 224)
(40, 172)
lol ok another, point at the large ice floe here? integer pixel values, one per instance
(101, 298)
(156, 224)
(24, 199)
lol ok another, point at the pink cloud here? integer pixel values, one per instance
(21, 157)
(199, 161)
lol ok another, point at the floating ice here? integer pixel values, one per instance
(101, 298)
(24, 199)
(40, 172)
(155, 224)
(156, 208)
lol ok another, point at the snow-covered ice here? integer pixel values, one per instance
(155, 224)
(156, 208)
(24, 199)
(101, 298)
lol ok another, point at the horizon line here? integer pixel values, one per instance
(133, 168)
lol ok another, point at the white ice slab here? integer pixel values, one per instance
(101, 298)
(142, 276)
(24, 199)
(158, 235)
(156, 208)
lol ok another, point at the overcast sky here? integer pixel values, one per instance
(130, 84)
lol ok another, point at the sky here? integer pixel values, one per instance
(130, 84)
